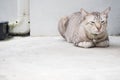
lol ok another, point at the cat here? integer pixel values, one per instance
(85, 29)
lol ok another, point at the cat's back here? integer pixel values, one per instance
(73, 23)
(73, 26)
(75, 19)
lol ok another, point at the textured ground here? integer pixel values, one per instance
(51, 58)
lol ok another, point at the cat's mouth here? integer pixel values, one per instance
(94, 35)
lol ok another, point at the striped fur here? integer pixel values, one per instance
(85, 29)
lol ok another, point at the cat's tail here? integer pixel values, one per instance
(62, 26)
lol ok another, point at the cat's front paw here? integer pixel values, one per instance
(103, 44)
(85, 44)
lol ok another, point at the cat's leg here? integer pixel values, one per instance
(85, 44)
(103, 44)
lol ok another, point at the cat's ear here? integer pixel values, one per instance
(106, 11)
(83, 12)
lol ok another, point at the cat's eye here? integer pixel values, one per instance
(102, 22)
(92, 22)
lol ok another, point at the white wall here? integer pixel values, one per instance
(46, 13)
(8, 10)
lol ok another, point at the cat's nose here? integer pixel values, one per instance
(98, 26)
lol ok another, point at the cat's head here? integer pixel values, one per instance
(95, 22)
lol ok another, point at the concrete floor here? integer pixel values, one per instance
(51, 58)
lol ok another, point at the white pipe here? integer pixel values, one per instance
(22, 24)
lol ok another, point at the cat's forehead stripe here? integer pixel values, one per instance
(96, 14)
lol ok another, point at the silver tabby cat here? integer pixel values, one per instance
(85, 29)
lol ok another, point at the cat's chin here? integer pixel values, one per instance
(96, 33)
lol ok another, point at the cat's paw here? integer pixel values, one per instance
(85, 44)
(103, 44)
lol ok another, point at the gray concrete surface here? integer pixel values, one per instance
(51, 58)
